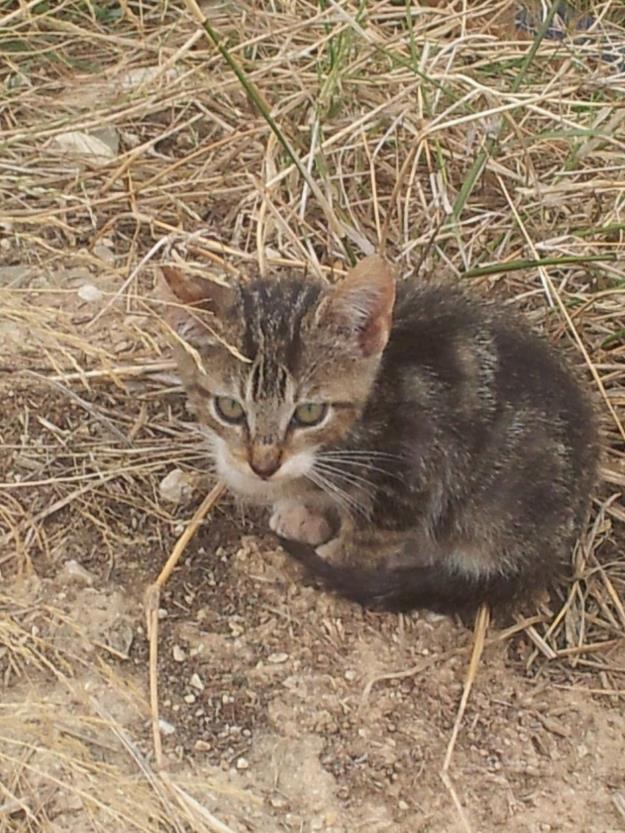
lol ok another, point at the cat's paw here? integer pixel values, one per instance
(295, 521)
(333, 551)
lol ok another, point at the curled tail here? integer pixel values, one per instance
(401, 589)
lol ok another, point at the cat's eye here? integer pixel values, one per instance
(229, 409)
(309, 413)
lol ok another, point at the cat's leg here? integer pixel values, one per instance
(336, 550)
(374, 548)
(295, 520)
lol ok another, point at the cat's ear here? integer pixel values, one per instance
(362, 304)
(182, 293)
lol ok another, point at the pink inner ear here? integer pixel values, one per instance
(189, 290)
(181, 292)
(364, 302)
(186, 288)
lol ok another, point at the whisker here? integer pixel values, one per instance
(362, 464)
(329, 490)
(356, 452)
(340, 495)
(347, 476)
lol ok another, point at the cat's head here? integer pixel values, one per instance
(278, 369)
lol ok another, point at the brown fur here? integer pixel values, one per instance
(454, 463)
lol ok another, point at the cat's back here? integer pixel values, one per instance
(488, 364)
(456, 333)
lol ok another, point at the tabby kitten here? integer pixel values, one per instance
(420, 451)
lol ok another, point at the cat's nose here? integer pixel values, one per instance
(265, 461)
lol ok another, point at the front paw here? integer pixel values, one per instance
(296, 522)
(332, 552)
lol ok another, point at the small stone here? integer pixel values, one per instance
(162, 613)
(75, 573)
(430, 616)
(177, 486)
(166, 727)
(189, 698)
(278, 802)
(196, 682)
(98, 150)
(121, 637)
(202, 745)
(243, 763)
(403, 806)
(277, 659)
(350, 675)
(90, 293)
(178, 654)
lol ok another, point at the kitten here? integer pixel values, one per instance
(424, 451)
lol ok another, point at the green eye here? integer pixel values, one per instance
(229, 409)
(310, 413)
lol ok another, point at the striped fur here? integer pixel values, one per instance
(456, 458)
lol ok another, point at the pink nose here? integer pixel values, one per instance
(265, 460)
(265, 468)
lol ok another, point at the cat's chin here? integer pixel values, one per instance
(253, 488)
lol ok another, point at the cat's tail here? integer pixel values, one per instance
(401, 589)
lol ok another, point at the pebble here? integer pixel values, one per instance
(277, 659)
(202, 745)
(278, 802)
(166, 727)
(90, 293)
(243, 763)
(178, 654)
(121, 637)
(189, 698)
(177, 486)
(75, 573)
(196, 682)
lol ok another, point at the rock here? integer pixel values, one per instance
(277, 659)
(166, 727)
(196, 682)
(178, 654)
(90, 293)
(121, 637)
(96, 149)
(177, 486)
(74, 573)
(133, 78)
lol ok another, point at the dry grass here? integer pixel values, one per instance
(127, 139)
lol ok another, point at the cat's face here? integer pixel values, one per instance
(278, 370)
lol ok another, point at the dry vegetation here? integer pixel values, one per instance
(129, 138)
